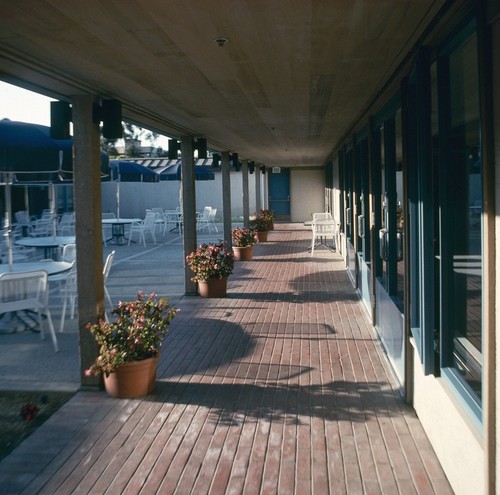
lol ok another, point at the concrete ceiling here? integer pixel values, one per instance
(291, 79)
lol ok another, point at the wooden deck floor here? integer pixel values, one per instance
(281, 388)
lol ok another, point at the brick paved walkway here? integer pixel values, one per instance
(280, 388)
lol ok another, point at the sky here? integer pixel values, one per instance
(23, 106)
(26, 106)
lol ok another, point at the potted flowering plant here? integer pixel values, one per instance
(243, 242)
(129, 347)
(212, 264)
(261, 225)
(268, 215)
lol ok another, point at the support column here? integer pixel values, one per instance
(258, 200)
(265, 189)
(226, 199)
(246, 202)
(88, 230)
(188, 208)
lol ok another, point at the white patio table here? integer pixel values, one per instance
(49, 243)
(118, 228)
(51, 267)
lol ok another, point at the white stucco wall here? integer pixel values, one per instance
(496, 103)
(136, 197)
(456, 442)
(307, 193)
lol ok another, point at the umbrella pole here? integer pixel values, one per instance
(8, 219)
(52, 203)
(118, 197)
(27, 201)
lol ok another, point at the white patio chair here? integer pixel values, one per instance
(159, 219)
(203, 219)
(137, 228)
(173, 220)
(24, 291)
(213, 212)
(105, 274)
(22, 217)
(19, 253)
(322, 229)
(23, 222)
(322, 216)
(66, 225)
(69, 292)
(143, 227)
(68, 253)
(107, 229)
(41, 227)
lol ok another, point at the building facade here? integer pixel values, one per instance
(414, 189)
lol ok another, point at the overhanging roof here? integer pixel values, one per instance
(292, 78)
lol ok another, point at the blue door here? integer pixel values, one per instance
(279, 193)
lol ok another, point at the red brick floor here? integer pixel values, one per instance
(280, 388)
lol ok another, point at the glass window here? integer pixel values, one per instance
(400, 211)
(384, 213)
(422, 154)
(391, 233)
(460, 228)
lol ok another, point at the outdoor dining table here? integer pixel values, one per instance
(26, 319)
(174, 217)
(118, 228)
(50, 244)
(51, 267)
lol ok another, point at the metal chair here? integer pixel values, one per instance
(69, 292)
(211, 221)
(173, 220)
(143, 227)
(66, 225)
(68, 253)
(159, 219)
(322, 216)
(107, 230)
(105, 273)
(25, 291)
(41, 227)
(203, 220)
(322, 229)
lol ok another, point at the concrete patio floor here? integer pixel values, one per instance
(282, 387)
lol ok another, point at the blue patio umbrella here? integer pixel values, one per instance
(29, 155)
(28, 152)
(128, 171)
(173, 172)
(28, 148)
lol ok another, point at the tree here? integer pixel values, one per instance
(132, 137)
(109, 146)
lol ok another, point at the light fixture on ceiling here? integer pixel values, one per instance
(221, 41)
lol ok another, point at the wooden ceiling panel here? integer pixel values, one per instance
(291, 79)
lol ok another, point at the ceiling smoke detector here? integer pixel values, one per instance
(221, 41)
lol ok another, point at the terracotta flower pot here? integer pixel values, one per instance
(262, 236)
(213, 287)
(243, 253)
(134, 379)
